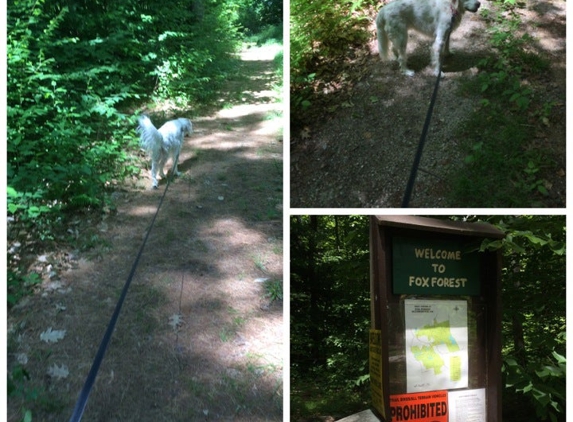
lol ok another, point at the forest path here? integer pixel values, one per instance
(198, 337)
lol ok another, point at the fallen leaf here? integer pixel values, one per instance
(22, 358)
(261, 280)
(50, 336)
(175, 320)
(59, 372)
(305, 133)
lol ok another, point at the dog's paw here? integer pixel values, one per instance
(408, 72)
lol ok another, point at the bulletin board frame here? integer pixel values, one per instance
(483, 302)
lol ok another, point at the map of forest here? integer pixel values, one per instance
(436, 344)
(438, 333)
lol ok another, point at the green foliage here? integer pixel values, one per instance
(497, 134)
(329, 299)
(312, 401)
(20, 285)
(272, 34)
(17, 387)
(278, 64)
(274, 289)
(321, 31)
(494, 140)
(543, 384)
(324, 30)
(505, 72)
(191, 61)
(21, 387)
(56, 159)
(534, 321)
(259, 16)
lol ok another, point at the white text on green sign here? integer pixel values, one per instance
(434, 266)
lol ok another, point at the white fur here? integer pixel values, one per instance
(436, 18)
(162, 143)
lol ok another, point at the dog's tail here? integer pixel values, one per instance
(150, 140)
(381, 35)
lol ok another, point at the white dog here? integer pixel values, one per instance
(162, 143)
(436, 18)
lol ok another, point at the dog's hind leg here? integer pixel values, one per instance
(174, 172)
(399, 37)
(161, 164)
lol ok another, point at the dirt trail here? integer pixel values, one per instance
(360, 153)
(197, 339)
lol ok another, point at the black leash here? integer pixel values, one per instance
(414, 171)
(84, 394)
(415, 165)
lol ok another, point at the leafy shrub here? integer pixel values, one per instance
(543, 385)
(324, 30)
(60, 153)
(192, 60)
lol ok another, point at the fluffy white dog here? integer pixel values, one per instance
(162, 143)
(436, 18)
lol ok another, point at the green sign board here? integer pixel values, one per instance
(434, 267)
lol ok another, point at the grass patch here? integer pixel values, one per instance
(260, 263)
(274, 289)
(230, 330)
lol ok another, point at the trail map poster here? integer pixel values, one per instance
(436, 344)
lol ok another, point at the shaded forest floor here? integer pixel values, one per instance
(356, 146)
(199, 336)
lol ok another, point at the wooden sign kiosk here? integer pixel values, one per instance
(435, 338)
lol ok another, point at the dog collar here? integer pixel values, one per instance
(454, 9)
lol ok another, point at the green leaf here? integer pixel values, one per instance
(559, 358)
(27, 416)
(12, 192)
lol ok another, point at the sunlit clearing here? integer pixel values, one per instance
(264, 53)
(247, 109)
